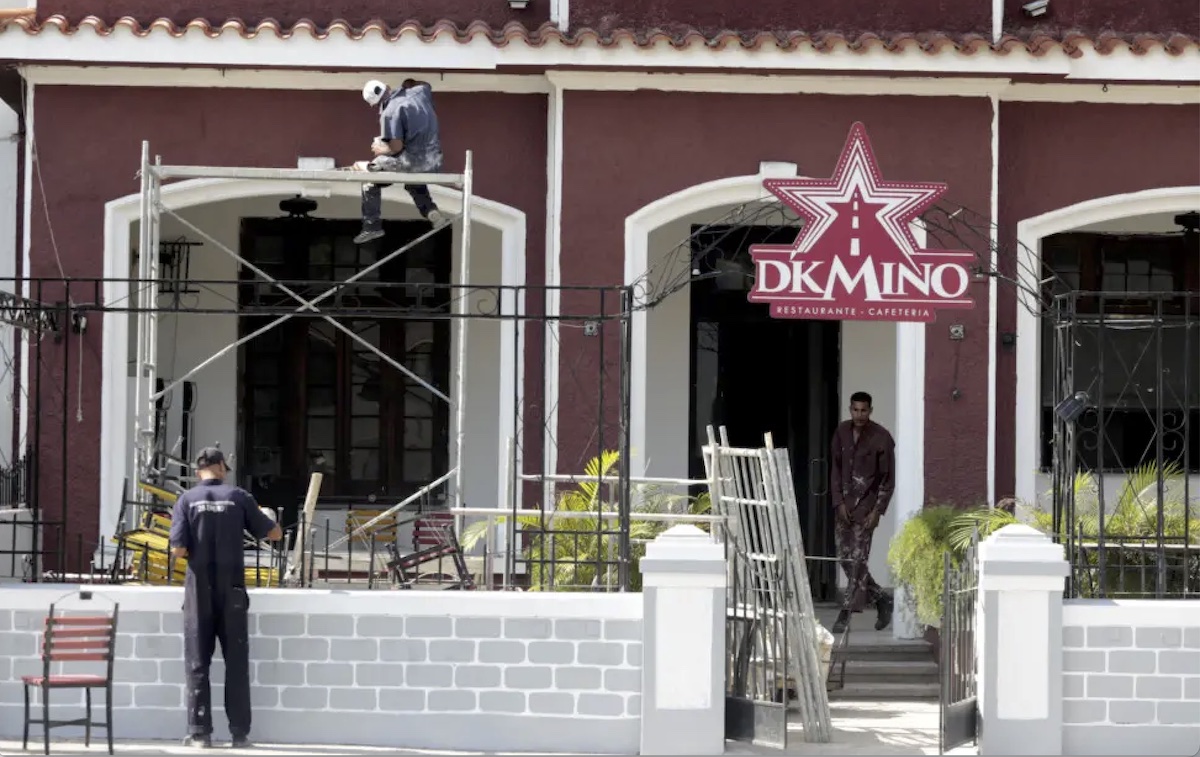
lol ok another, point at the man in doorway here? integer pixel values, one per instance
(408, 142)
(862, 480)
(206, 529)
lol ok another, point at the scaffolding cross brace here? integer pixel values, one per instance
(152, 176)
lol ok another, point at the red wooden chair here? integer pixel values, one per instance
(74, 638)
(434, 540)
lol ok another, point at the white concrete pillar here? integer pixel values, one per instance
(1019, 642)
(9, 205)
(683, 644)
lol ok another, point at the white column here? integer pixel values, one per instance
(9, 157)
(683, 644)
(909, 496)
(1022, 574)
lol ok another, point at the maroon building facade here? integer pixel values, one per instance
(580, 118)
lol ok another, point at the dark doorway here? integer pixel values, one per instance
(755, 374)
(314, 399)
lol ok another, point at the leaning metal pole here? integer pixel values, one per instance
(139, 357)
(147, 352)
(460, 374)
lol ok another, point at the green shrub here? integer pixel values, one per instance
(917, 553)
(916, 557)
(581, 553)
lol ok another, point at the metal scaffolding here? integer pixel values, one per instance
(147, 285)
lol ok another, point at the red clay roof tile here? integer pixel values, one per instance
(1072, 43)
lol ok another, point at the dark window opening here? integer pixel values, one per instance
(315, 399)
(1135, 347)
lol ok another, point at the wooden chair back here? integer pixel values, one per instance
(434, 530)
(79, 638)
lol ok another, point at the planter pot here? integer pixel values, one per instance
(933, 638)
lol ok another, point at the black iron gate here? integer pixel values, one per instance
(757, 687)
(959, 710)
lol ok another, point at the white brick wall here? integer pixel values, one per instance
(415, 669)
(1132, 665)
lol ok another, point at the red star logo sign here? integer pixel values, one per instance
(855, 257)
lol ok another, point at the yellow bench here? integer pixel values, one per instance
(149, 547)
(382, 531)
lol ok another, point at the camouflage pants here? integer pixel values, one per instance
(854, 550)
(372, 200)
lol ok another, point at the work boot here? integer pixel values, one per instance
(198, 741)
(842, 622)
(241, 742)
(370, 232)
(885, 606)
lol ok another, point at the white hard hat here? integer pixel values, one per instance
(373, 91)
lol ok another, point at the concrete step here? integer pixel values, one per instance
(889, 671)
(886, 691)
(897, 652)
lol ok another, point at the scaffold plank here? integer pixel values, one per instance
(304, 175)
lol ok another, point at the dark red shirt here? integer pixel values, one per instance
(863, 471)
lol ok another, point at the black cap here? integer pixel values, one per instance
(209, 456)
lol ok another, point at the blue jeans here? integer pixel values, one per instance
(372, 200)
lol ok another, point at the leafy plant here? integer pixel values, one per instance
(916, 559)
(573, 548)
(916, 554)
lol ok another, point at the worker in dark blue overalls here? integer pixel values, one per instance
(207, 529)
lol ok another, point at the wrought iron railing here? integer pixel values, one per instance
(1126, 492)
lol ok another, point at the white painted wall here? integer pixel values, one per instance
(185, 340)
(9, 158)
(868, 363)
(668, 368)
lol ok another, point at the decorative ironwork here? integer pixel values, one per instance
(593, 372)
(27, 314)
(175, 264)
(958, 705)
(1125, 446)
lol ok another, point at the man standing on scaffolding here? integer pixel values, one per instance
(863, 478)
(408, 142)
(206, 529)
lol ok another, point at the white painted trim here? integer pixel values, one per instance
(997, 20)
(1030, 232)
(339, 51)
(780, 84)
(265, 78)
(909, 496)
(490, 604)
(10, 248)
(638, 225)
(121, 213)
(1104, 94)
(553, 278)
(276, 79)
(1131, 612)
(993, 317)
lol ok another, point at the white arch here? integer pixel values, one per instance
(119, 216)
(735, 190)
(910, 341)
(1030, 233)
